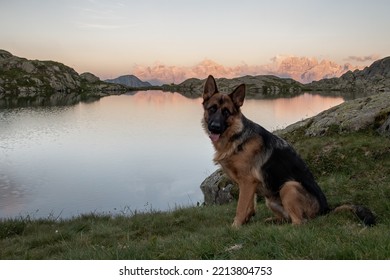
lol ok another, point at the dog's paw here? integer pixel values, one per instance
(236, 224)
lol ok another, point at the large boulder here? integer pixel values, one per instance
(217, 188)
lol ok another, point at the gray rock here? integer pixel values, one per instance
(350, 116)
(89, 77)
(384, 129)
(217, 188)
(28, 67)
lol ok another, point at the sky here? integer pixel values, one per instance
(111, 37)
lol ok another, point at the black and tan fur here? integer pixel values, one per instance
(263, 163)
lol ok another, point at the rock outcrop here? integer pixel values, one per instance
(89, 78)
(22, 76)
(217, 188)
(351, 116)
(34, 82)
(375, 78)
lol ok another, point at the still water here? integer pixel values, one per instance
(143, 151)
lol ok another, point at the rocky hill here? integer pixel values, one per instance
(20, 75)
(256, 86)
(21, 78)
(375, 78)
(129, 80)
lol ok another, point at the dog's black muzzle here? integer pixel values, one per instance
(217, 123)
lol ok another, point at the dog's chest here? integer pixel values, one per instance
(244, 163)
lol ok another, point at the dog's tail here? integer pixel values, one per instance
(362, 212)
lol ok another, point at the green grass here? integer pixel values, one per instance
(350, 168)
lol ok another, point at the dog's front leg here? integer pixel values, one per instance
(246, 204)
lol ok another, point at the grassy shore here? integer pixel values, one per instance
(350, 168)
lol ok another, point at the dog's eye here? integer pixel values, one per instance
(226, 113)
(212, 109)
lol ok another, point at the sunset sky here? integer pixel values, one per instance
(110, 38)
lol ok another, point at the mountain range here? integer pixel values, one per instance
(35, 80)
(375, 78)
(302, 69)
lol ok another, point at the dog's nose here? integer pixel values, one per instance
(215, 127)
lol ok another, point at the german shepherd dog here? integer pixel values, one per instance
(263, 163)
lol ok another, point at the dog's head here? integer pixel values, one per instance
(220, 110)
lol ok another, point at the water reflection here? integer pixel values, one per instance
(278, 113)
(138, 151)
(55, 99)
(12, 196)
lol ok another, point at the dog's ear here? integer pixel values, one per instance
(209, 88)
(238, 95)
